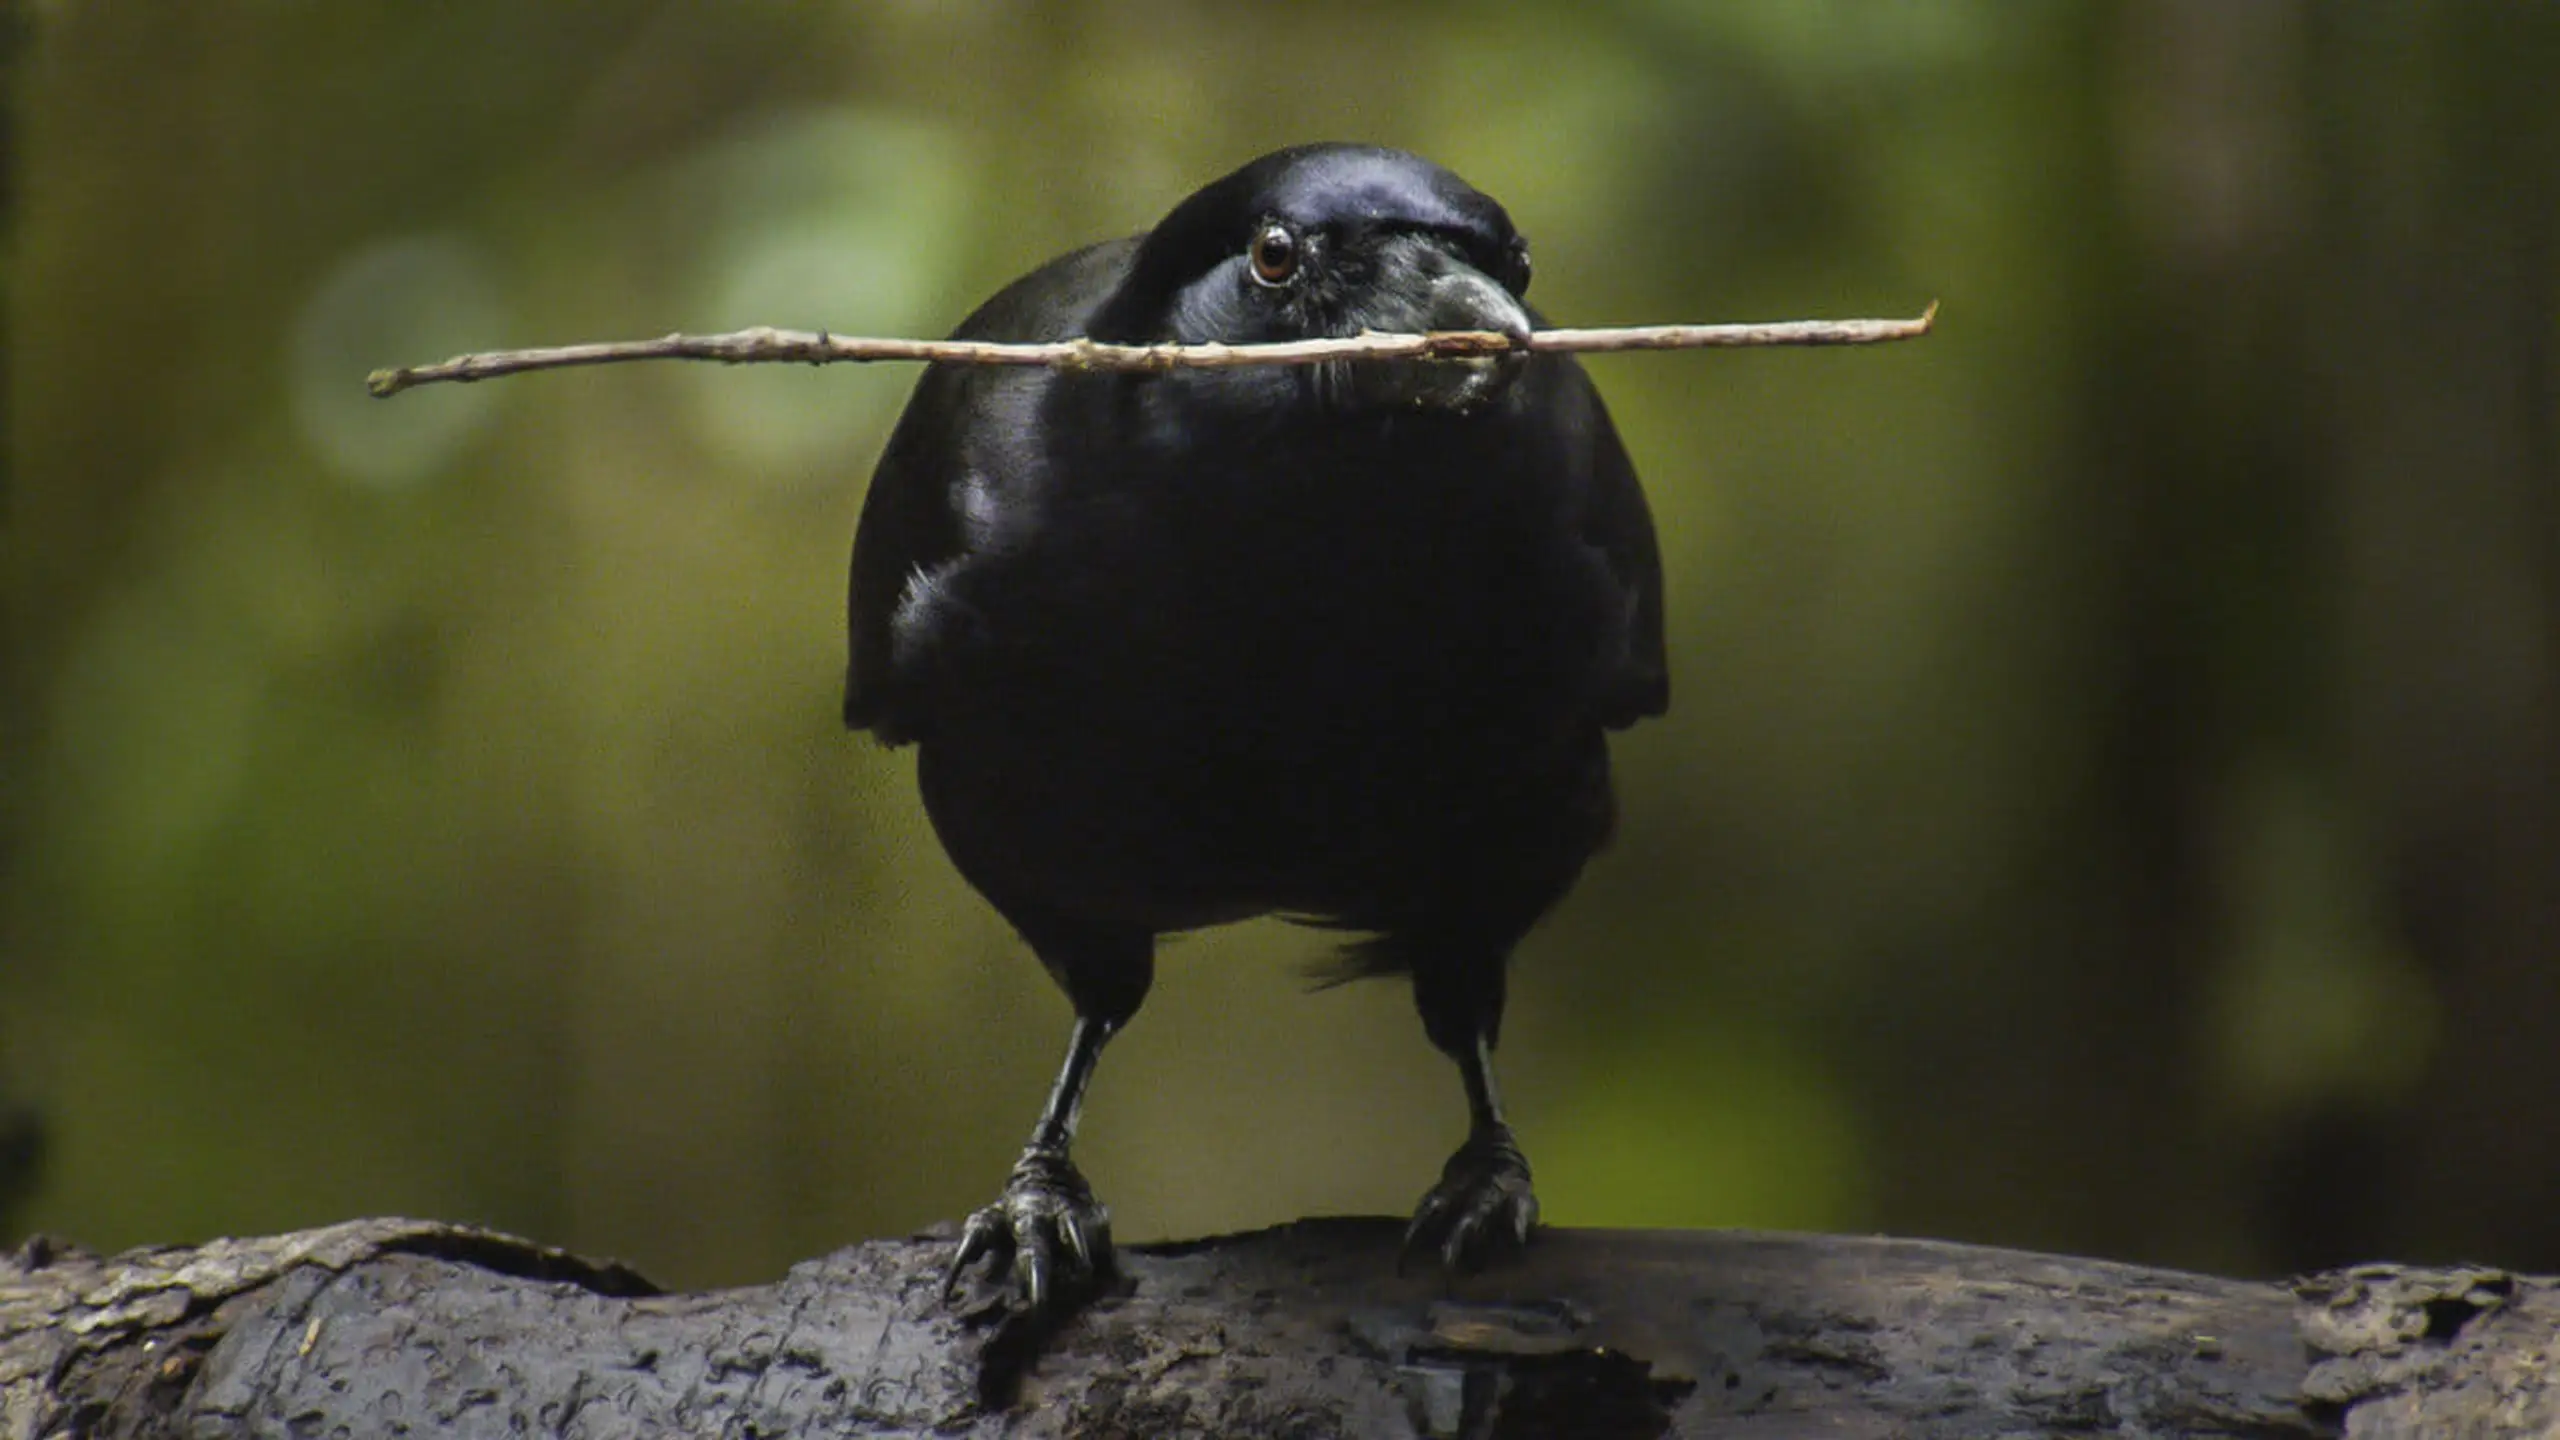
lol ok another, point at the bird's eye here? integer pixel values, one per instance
(1274, 254)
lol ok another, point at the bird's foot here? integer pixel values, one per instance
(1044, 1243)
(1482, 1206)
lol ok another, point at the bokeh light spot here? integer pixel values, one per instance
(405, 301)
(835, 220)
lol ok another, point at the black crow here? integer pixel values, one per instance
(1339, 642)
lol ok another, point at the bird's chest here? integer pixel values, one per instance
(1348, 589)
(1250, 681)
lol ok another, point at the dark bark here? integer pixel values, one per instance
(387, 1326)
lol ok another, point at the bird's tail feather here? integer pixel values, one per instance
(1371, 957)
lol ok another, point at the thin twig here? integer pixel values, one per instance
(765, 344)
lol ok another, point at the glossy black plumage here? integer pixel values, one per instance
(1336, 642)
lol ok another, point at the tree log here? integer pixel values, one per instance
(388, 1327)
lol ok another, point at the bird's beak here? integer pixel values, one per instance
(1421, 285)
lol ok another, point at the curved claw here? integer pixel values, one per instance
(1031, 1267)
(1078, 1242)
(1426, 1222)
(1483, 1205)
(984, 1238)
(978, 1239)
(1038, 1249)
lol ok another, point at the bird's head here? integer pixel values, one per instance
(1331, 240)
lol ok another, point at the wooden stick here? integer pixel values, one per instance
(764, 344)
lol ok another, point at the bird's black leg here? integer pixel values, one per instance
(1045, 1243)
(1057, 1127)
(1047, 1236)
(1483, 1203)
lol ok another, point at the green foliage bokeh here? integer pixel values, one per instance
(2107, 801)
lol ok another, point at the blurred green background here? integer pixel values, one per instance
(2112, 795)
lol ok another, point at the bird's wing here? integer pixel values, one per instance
(1619, 524)
(912, 525)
